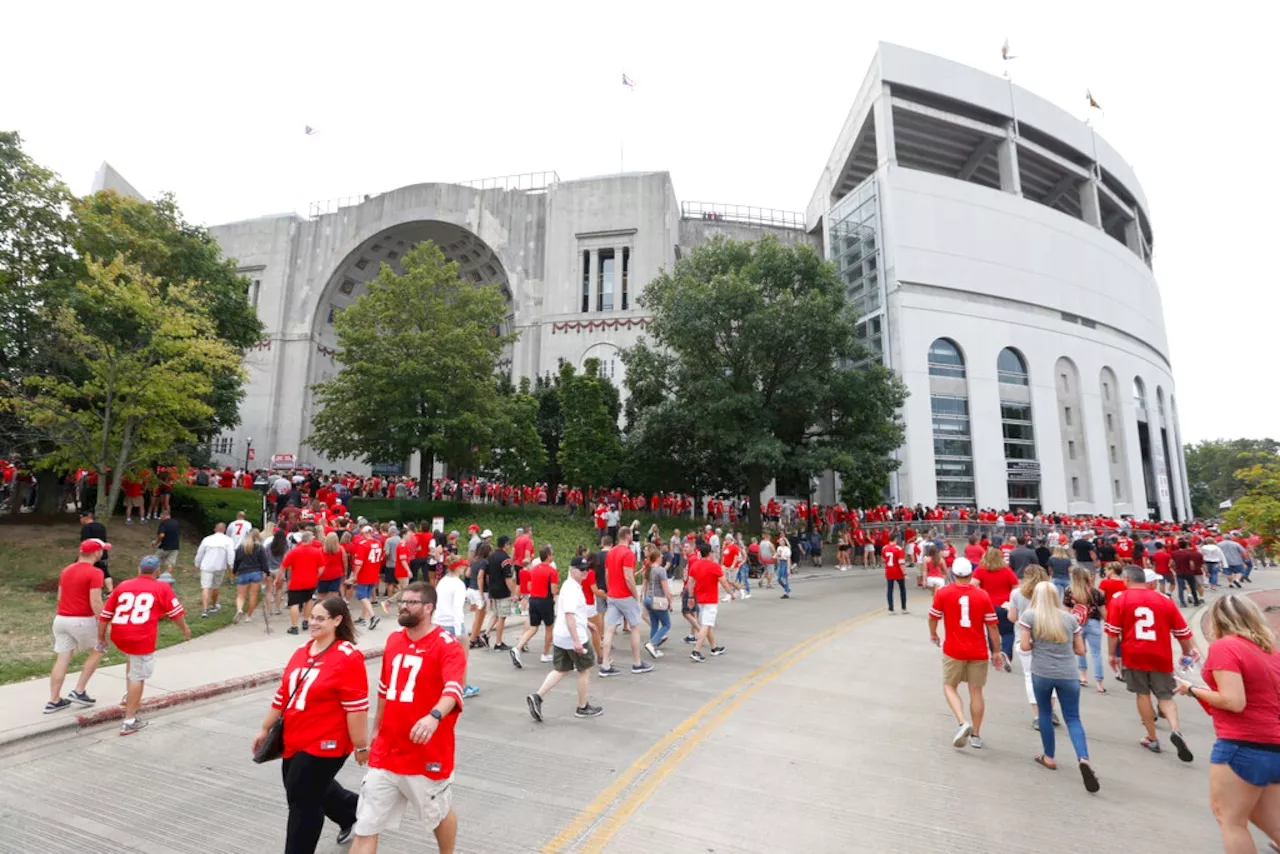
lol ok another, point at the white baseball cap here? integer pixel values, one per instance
(962, 567)
(1151, 576)
(486, 534)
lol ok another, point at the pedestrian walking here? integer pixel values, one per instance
(92, 529)
(1052, 636)
(571, 649)
(707, 578)
(249, 569)
(784, 565)
(969, 621)
(657, 600)
(215, 555)
(450, 613)
(624, 605)
(544, 586)
(1089, 604)
(75, 625)
(894, 572)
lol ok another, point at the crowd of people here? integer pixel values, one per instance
(1055, 595)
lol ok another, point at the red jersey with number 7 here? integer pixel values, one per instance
(1146, 623)
(415, 675)
(893, 557)
(320, 692)
(134, 610)
(965, 611)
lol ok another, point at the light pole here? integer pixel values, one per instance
(248, 452)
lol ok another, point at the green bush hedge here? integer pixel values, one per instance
(206, 506)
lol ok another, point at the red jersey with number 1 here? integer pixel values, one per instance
(965, 611)
(321, 691)
(893, 558)
(134, 610)
(415, 675)
(1146, 623)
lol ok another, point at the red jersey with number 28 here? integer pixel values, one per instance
(964, 610)
(893, 557)
(415, 675)
(324, 690)
(1146, 623)
(134, 610)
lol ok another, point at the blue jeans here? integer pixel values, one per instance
(902, 590)
(1006, 632)
(744, 577)
(1062, 584)
(1212, 569)
(659, 623)
(1092, 631)
(784, 576)
(1068, 691)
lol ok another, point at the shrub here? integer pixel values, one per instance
(206, 506)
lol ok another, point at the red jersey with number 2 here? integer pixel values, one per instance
(965, 611)
(1146, 623)
(415, 675)
(134, 610)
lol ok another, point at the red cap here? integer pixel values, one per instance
(459, 563)
(473, 527)
(94, 545)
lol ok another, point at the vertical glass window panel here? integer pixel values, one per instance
(1075, 487)
(1010, 367)
(1110, 423)
(945, 359)
(626, 260)
(1116, 485)
(586, 280)
(1071, 449)
(1066, 415)
(604, 293)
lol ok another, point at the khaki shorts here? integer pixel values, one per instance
(142, 667)
(622, 609)
(386, 797)
(71, 634)
(168, 557)
(565, 660)
(502, 607)
(955, 671)
(131, 501)
(1149, 682)
(212, 580)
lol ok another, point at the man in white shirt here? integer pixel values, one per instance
(714, 542)
(238, 530)
(217, 554)
(570, 638)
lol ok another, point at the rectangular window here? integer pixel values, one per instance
(586, 280)
(1110, 425)
(222, 445)
(1013, 430)
(1015, 411)
(1066, 386)
(257, 288)
(626, 261)
(1114, 458)
(1066, 415)
(1075, 487)
(1019, 451)
(1106, 391)
(1116, 484)
(1071, 450)
(949, 447)
(604, 289)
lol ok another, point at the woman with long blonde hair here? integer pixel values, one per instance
(1242, 695)
(1089, 605)
(1053, 638)
(1020, 601)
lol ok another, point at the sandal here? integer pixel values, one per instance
(1090, 778)
(1102, 689)
(1084, 683)
(1040, 760)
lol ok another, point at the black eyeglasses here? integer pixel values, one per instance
(412, 602)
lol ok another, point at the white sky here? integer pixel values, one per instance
(740, 102)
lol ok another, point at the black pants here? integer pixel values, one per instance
(902, 589)
(1186, 582)
(312, 794)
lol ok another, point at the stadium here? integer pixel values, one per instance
(997, 249)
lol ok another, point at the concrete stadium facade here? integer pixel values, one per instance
(998, 251)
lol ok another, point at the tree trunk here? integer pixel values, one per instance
(755, 483)
(426, 469)
(49, 487)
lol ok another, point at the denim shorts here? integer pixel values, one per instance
(365, 591)
(244, 579)
(1254, 765)
(330, 585)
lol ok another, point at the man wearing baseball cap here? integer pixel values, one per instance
(91, 529)
(75, 628)
(970, 621)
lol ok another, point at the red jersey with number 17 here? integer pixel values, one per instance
(320, 692)
(1146, 623)
(415, 675)
(965, 611)
(134, 610)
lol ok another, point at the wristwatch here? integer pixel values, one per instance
(435, 713)
(362, 750)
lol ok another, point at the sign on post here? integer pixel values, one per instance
(282, 461)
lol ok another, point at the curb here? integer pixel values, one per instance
(81, 722)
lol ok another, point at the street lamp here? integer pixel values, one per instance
(248, 452)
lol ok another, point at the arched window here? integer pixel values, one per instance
(1139, 393)
(945, 359)
(1011, 368)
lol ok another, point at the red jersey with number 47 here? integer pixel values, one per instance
(893, 557)
(134, 610)
(1146, 623)
(369, 560)
(415, 675)
(964, 610)
(320, 692)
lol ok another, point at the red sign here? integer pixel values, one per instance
(282, 461)
(251, 454)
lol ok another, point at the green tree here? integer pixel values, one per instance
(518, 455)
(1212, 468)
(550, 425)
(418, 354)
(137, 359)
(591, 449)
(755, 371)
(156, 237)
(1258, 510)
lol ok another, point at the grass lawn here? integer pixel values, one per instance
(32, 555)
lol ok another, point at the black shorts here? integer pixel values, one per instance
(300, 597)
(417, 568)
(687, 604)
(542, 612)
(389, 574)
(333, 585)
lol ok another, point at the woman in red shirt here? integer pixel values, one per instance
(324, 697)
(335, 565)
(993, 576)
(1242, 671)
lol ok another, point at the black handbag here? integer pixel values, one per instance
(272, 747)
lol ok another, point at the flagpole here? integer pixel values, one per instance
(1013, 106)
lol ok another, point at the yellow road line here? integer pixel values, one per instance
(662, 759)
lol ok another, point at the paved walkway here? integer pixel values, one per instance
(822, 729)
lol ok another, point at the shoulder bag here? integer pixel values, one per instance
(272, 746)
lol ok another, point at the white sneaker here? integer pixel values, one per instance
(726, 598)
(746, 595)
(962, 735)
(547, 659)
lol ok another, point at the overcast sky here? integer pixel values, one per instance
(740, 102)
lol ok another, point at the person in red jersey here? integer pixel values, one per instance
(544, 586)
(366, 569)
(1144, 622)
(970, 622)
(1241, 672)
(1162, 560)
(324, 698)
(973, 552)
(994, 576)
(419, 700)
(707, 578)
(133, 487)
(132, 615)
(303, 564)
(1112, 581)
(623, 605)
(75, 625)
(894, 558)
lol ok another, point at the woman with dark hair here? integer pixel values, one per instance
(276, 546)
(324, 698)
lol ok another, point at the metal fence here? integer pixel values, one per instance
(716, 212)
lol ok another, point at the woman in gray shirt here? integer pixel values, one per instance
(1053, 638)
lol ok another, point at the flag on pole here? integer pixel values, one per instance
(1004, 51)
(1092, 103)
(628, 82)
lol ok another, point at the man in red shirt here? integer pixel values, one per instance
(132, 613)
(544, 587)
(412, 757)
(624, 605)
(894, 557)
(522, 548)
(366, 569)
(707, 578)
(75, 626)
(970, 621)
(132, 487)
(1144, 623)
(302, 564)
